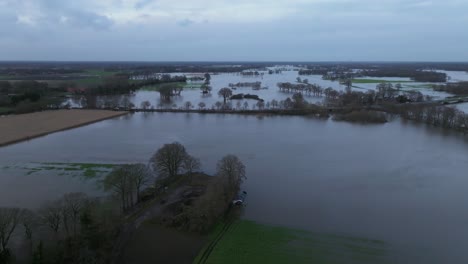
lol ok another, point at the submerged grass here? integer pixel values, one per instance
(378, 81)
(87, 170)
(172, 84)
(250, 242)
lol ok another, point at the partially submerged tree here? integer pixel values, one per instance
(145, 105)
(188, 105)
(225, 93)
(201, 105)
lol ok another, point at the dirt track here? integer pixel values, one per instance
(16, 128)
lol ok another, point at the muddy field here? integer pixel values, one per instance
(16, 128)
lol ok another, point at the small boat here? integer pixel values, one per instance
(240, 198)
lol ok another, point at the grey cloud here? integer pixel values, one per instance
(319, 30)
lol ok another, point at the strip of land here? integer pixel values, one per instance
(16, 128)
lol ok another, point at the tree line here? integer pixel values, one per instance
(459, 88)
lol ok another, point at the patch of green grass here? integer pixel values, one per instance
(250, 242)
(378, 81)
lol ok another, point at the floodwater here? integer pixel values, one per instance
(398, 182)
(270, 81)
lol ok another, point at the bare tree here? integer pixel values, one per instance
(9, 219)
(51, 215)
(260, 105)
(139, 175)
(201, 105)
(246, 105)
(145, 105)
(168, 160)
(232, 170)
(73, 204)
(30, 222)
(218, 105)
(191, 163)
(119, 182)
(274, 104)
(225, 93)
(188, 105)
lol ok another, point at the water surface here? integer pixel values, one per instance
(400, 183)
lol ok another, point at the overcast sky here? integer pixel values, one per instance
(234, 30)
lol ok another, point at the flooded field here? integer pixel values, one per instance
(268, 81)
(398, 183)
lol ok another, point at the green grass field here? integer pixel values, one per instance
(249, 242)
(378, 81)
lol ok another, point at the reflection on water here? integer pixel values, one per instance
(396, 182)
(219, 81)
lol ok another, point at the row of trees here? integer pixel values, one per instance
(172, 159)
(254, 85)
(431, 114)
(72, 229)
(304, 88)
(460, 88)
(416, 75)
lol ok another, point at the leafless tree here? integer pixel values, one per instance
(201, 105)
(232, 170)
(225, 93)
(218, 105)
(191, 163)
(73, 204)
(145, 105)
(9, 219)
(238, 105)
(51, 215)
(168, 160)
(30, 222)
(139, 175)
(188, 105)
(260, 105)
(120, 183)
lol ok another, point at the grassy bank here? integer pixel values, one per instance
(250, 242)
